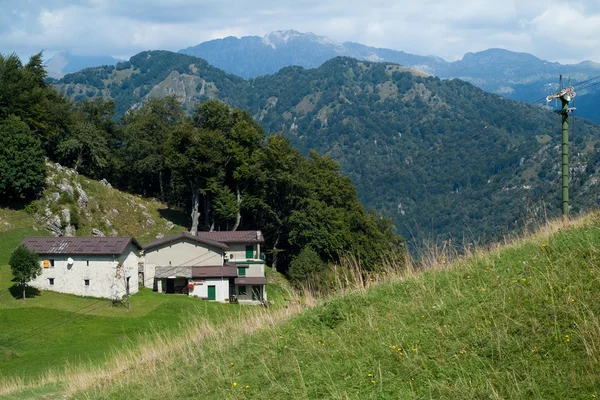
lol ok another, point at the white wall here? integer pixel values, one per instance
(101, 273)
(183, 252)
(201, 288)
(254, 270)
(237, 252)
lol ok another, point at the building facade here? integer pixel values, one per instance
(87, 266)
(216, 266)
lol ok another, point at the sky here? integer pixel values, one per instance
(560, 31)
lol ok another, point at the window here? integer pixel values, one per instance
(250, 251)
(51, 281)
(242, 290)
(51, 263)
(87, 263)
(86, 282)
(241, 271)
(231, 256)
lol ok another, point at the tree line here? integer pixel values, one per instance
(215, 164)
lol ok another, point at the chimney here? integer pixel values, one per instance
(258, 234)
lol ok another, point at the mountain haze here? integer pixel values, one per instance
(441, 157)
(66, 63)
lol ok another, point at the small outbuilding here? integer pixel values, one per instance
(87, 266)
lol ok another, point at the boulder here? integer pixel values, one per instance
(83, 200)
(66, 219)
(54, 225)
(65, 187)
(104, 182)
(97, 232)
(160, 236)
(170, 225)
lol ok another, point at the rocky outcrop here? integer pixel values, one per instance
(97, 232)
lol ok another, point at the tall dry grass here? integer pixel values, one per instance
(145, 358)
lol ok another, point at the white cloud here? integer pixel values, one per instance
(551, 30)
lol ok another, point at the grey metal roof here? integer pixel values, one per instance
(249, 280)
(214, 272)
(184, 235)
(179, 272)
(234, 236)
(88, 245)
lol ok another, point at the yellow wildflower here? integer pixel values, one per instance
(234, 384)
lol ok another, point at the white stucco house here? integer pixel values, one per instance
(218, 266)
(87, 266)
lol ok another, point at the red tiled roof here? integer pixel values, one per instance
(88, 245)
(184, 235)
(214, 272)
(234, 236)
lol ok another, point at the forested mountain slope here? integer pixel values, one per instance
(441, 157)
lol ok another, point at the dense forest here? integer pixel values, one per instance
(215, 164)
(442, 158)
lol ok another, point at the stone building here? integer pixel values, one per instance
(87, 266)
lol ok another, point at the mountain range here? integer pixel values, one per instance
(443, 158)
(519, 76)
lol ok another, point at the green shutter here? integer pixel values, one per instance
(242, 290)
(241, 271)
(212, 293)
(249, 251)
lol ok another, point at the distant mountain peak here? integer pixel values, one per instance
(279, 38)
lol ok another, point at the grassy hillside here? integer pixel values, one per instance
(519, 321)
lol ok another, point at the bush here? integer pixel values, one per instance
(307, 269)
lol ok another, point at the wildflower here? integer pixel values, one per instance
(567, 338)
(369, 375)
(422, 316)
(234, 384)
(412, 379)
(572, 300)
(139, 383)
(483, 289)
(272, 356)
(393, 346)
(232, 364)
(415, 349)
(523, 279)
(468, 276)
(543, 244)
(515, 281)
(510, 298)
(461, 352)
(247, 387)
(285, 347)
(372, 381)
(371, 279)
(534, 349)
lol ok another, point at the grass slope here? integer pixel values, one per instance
(519, 322)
